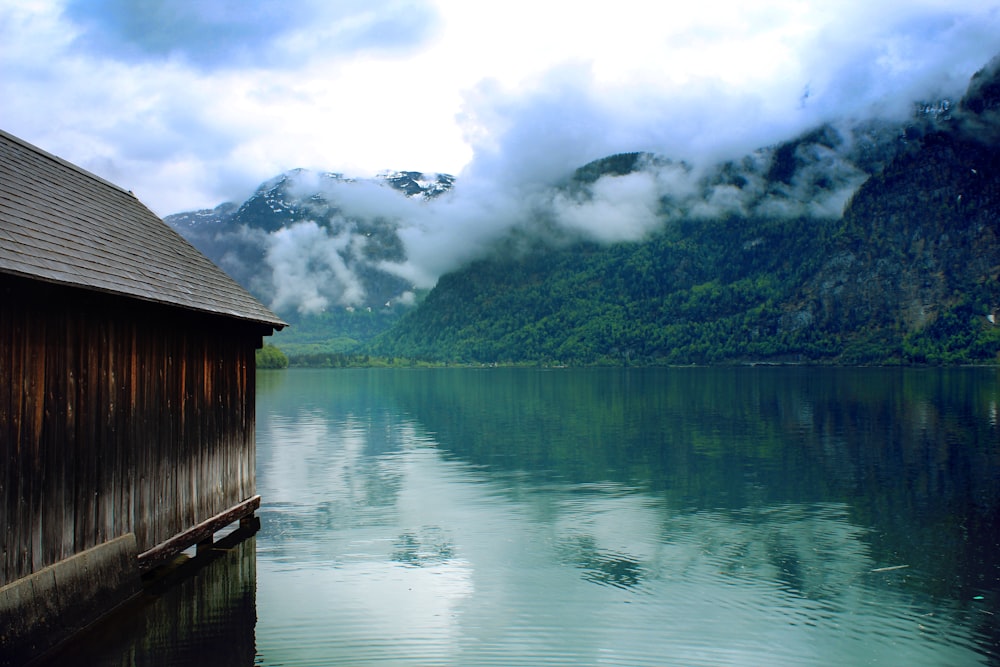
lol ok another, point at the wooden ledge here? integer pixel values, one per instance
(165, 551)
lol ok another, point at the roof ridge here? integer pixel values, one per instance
(64, 224)
(66, 163)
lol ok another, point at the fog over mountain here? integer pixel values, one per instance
(706, 155)
(309, 241)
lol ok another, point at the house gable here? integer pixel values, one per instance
(62, 224)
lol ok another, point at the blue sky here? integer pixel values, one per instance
(190, 103)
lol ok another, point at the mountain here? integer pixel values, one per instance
(917, 254)
(871, 244)
(855, 242)
(312, 247)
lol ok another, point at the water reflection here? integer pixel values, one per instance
(589, 517)
(427, 547)
(461, 517)
(203, 612)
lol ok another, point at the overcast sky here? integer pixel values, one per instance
(190, 103)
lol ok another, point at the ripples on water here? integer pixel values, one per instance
(431, 519)
(459, 569)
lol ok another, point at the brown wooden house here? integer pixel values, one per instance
(126, 394)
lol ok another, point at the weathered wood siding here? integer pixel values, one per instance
(116, 416)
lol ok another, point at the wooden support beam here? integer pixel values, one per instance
(203, 531)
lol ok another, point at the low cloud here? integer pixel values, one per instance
(614, 208)
(521, 179)
(317, 265)
(309, 269)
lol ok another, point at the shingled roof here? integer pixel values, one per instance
(62, 224)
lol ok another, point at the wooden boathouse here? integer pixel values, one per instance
(126, 396)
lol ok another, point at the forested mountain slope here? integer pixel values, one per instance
(907, 274)
(697, 292)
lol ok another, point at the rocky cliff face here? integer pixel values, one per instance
(922, 236)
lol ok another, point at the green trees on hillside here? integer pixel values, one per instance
(694, 293)
(706, 292)
(960, 335)
(271, 357)
(330, 337)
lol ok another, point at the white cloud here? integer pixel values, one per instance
(507, 92)
(309, 270)
(616, 208)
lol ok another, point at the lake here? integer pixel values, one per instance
(669, 516)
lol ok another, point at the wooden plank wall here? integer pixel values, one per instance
(116, 416)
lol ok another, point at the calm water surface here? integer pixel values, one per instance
(750, 516)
